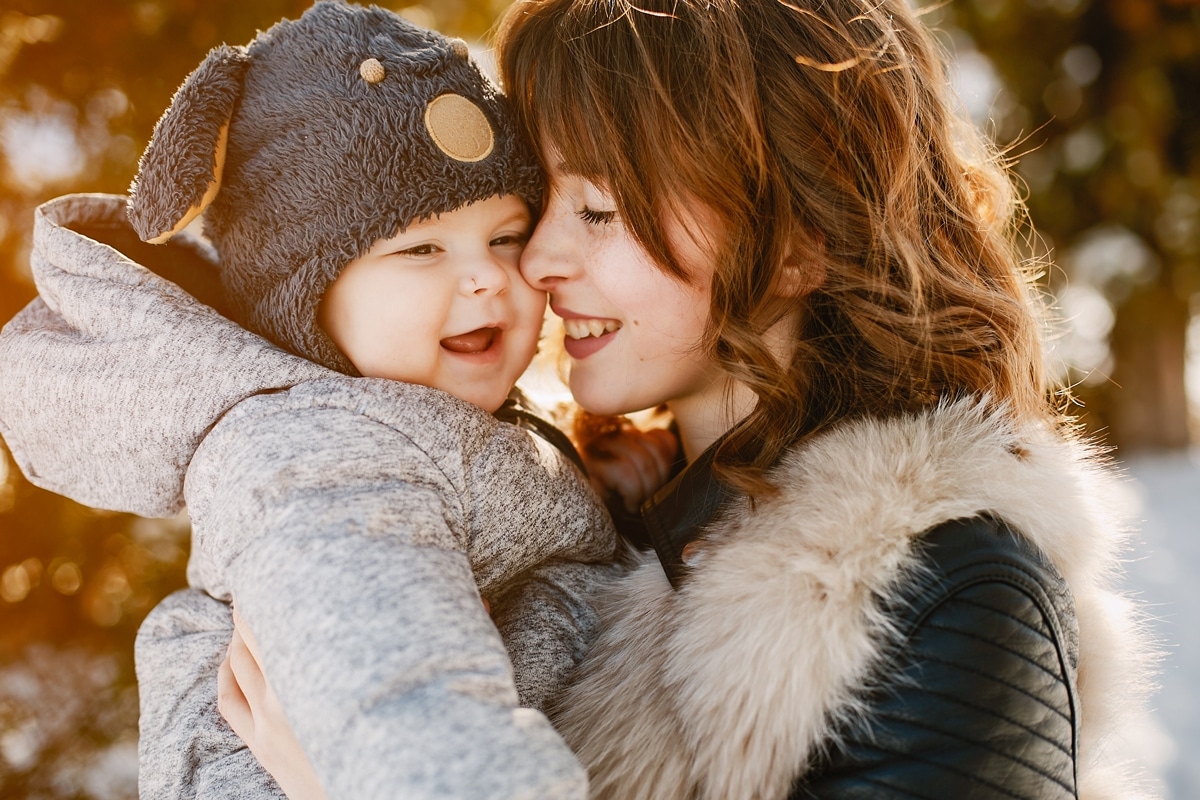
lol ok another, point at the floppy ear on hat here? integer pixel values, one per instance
(180, 172)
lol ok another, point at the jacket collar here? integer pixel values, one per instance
(680, 510)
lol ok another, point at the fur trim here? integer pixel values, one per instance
(727, 687)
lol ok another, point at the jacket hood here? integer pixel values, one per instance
(137, 368)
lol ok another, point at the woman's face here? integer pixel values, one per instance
(633, 331)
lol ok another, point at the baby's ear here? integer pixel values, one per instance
(180, 172)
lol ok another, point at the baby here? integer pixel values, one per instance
(367, 198)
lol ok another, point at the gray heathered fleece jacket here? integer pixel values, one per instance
(353, 519)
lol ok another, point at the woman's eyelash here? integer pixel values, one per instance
(593, 217)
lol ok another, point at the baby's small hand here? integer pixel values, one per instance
(630, 464)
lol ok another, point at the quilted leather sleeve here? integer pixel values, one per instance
(977, 700)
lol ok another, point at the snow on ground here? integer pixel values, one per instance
(1164, 572)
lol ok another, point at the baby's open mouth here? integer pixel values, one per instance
(476, 341)
(583, 328)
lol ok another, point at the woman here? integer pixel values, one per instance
(886, 568)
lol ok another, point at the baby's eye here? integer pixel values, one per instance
(509, 239)
(418, 250)
(594, 217)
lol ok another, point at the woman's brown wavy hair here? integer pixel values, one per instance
(823, 136)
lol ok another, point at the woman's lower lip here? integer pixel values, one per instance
(582, 348)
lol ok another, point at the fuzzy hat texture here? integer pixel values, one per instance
(322, 136)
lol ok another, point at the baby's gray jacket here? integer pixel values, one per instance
(356, 522)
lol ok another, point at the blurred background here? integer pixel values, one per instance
(1097, 101)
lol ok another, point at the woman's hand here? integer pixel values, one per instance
(629, 465)
(251, 708)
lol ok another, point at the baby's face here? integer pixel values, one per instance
(442, 304)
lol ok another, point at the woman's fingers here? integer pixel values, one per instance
(247, 636)
(232, 703)
(632, 464)
(664, 449)
(246, 672)
(243, 696)
(248, 703)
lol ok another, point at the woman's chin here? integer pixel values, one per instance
(601, 398)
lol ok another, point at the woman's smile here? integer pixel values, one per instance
(585, 335)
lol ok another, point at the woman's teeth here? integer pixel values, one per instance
(583, 328)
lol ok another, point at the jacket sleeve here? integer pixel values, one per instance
(111, 376)
(185, 749)
(979, 705)
(345, 546)
(548, 621)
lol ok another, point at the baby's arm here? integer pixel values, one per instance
(185, 749)
(348, 559)
(548, 621)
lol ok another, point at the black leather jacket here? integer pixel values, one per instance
(976, 697)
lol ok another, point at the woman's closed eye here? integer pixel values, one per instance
(593, 217)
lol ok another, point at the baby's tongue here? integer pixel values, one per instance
(474, 342)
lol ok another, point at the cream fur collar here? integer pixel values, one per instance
(725, 688)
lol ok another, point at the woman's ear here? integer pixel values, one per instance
(180, 172)
(803, 270)
(799, 279)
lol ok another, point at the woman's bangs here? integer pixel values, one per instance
(574, 126)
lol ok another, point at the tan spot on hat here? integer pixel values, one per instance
(459, 128)
(372, 71)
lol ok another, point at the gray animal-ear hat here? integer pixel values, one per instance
(322, 136)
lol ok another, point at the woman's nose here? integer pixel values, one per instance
(548, 258)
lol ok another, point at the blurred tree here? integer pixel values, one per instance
(82, 83)
(1102, 97)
